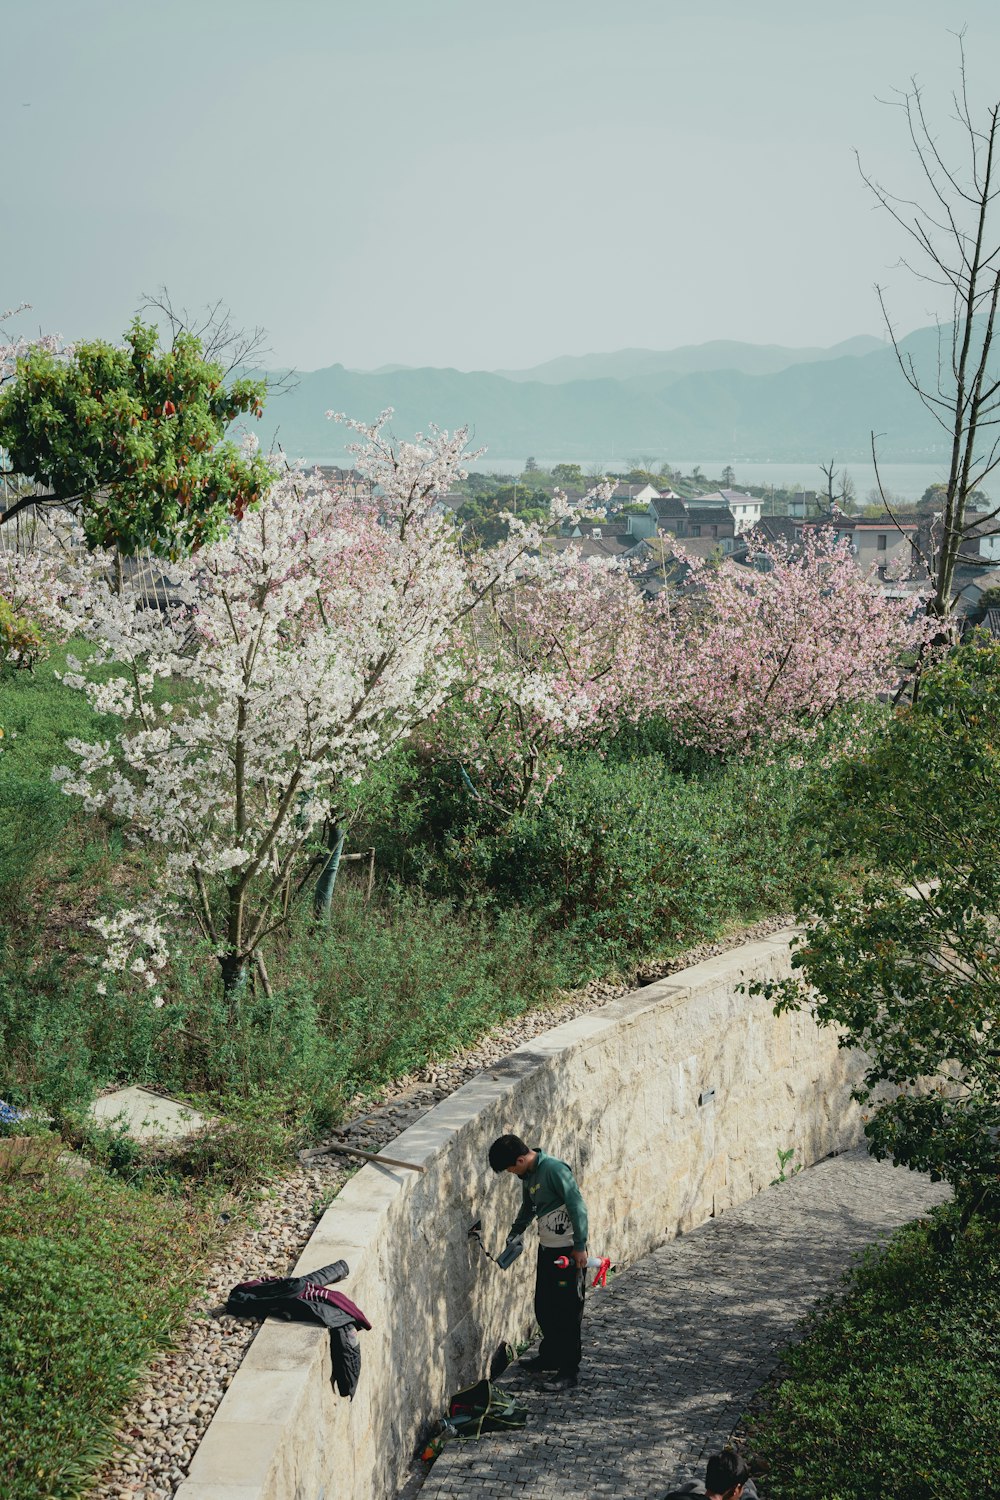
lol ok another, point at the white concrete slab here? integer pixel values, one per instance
(147, 1116)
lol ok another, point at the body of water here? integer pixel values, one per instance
(906, 481)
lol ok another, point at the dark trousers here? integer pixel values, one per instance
(559, 1293)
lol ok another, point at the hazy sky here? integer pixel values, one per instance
(463, 183)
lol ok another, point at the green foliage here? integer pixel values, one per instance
(636, 849)
(569, 476)
(94, 1277)
(902, 941)
(38, 715)
(936, 494)
(416, 978)
(482, 514)
(136, 436)
(988, 599)
(896, 1388)
(784, 1157)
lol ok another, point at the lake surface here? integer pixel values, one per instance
(908, 481)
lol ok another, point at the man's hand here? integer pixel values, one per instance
(580, 1259)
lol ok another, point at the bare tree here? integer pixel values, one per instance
(841, 493)
(223, 341)
(954, 226)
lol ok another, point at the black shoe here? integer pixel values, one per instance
(563, 1380)
(536, 1366)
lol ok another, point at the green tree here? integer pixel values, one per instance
(728, 477)
(134, 438)
(937, 495)
(482, 514)
(530, 466)
(988, 599)
(570, 475)
(902, 944)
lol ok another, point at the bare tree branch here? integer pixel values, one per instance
(223, 341)
(956, 233)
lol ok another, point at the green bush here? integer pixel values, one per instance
(414, 978)
(94, 1277)
(627, 855)
(38, 715)
(896, 1388)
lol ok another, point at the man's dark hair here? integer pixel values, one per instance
(725, 1470)
(505, 1151)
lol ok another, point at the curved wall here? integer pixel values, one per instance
(670, 1103)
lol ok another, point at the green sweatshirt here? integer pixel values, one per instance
(549, 1193)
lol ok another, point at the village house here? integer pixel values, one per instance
(745, 510)
(714, 521)
(721, 516)
(878, 544)
(980, 546)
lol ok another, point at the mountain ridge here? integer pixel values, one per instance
(715, 354)
(804, 411)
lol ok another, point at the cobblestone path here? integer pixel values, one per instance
(679, 1342)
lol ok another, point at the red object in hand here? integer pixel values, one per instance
(601, 1262)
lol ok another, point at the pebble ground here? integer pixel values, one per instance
(677, 1346)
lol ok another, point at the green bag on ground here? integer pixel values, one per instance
(484, 1407)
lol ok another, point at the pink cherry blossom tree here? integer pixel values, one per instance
(551, 663)
(749, 655)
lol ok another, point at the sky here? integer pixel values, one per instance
(452, 182)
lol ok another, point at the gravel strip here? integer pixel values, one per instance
(181, 1390)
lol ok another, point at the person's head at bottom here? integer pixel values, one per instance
(726, 1474)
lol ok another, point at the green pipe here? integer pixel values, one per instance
(323, 895)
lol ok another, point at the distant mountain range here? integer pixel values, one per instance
(718, 354)
(731, 401)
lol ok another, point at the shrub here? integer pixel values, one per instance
(626, 856)
(411, 978)
(896, 1388)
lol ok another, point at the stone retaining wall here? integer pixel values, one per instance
(671, 1105)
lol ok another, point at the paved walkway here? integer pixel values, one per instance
(677, 1345)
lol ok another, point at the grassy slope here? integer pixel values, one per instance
(94, 1277)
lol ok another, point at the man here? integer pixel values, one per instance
(726, 1478)
(549, 1194)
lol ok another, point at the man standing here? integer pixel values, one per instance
(549, 1193)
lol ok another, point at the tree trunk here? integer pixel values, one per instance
(234, 975)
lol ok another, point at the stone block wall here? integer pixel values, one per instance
(671, 1105)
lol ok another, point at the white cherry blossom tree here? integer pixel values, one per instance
(294, 653)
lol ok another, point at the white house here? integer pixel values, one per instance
(746, 510)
